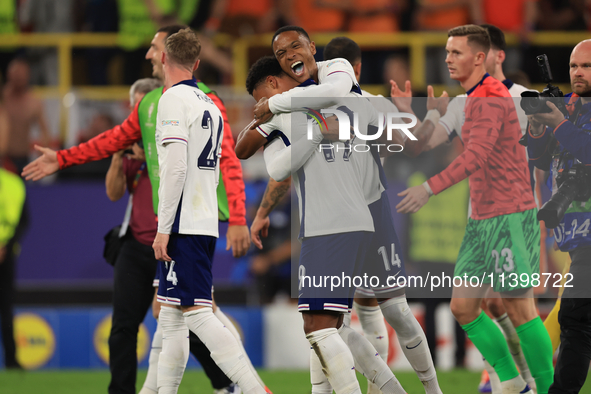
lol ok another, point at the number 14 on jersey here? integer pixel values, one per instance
(394, 257)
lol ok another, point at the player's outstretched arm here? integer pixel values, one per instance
(44, 165)
(97, 148)
(273, 195)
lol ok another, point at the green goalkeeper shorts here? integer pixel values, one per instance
(503, 251)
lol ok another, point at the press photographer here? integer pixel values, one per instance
(559, 141)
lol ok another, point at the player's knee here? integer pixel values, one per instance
(495, 306)
(463, 311)
(520, 310)
(319, 321)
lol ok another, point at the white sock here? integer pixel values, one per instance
(336, 359)
(347, 318)
(230, 326)
(412, 341)
(175, 350)
(224, 349)
(369, 362)
(374, 328)
(150, 384)
(513, 386)
(515, 348)
(320, 384)
(495, 382)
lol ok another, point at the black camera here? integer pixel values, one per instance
(534, 102)
(573, 185)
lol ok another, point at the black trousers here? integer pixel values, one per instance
(133, 292)
(6, 306)
(575, 328)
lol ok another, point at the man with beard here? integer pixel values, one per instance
(556, 144)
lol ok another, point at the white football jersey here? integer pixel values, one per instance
(283, 103)
(187, 115)
(454, 116)
(337, 65)
(328, 185)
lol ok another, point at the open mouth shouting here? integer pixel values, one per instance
(297, 68)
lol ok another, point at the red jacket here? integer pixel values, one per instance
(122, 136)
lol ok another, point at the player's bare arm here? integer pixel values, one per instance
(115, 179)
(248, 143)
(274, 193)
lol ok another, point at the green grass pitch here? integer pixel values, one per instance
(195, 382)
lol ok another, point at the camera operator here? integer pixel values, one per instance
(563, 147)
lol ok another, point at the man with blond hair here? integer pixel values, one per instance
(189, 129)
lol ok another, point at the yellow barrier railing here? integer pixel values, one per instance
(415, 42)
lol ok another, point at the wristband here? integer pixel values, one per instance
(433, 115)
(426, 184)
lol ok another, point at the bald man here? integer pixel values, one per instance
(573, 136)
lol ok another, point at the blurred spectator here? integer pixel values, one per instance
(99, 123)
(12, 197)
(168, 12)
(511, 16)
(519, 77)
(561, 15)
(378, 16)
(136, 29)
(46, 16)
(8, 25)
(24, 110)
(396, 68)
(442, 15)
(100, 16)
(314, 15)
(240, 18)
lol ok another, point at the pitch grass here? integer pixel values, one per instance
(195, 382)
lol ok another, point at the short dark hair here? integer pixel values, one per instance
(260, 70)
(342, 47)
(171, 29)
(290, 28)
(476, 36)
(497, 37)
